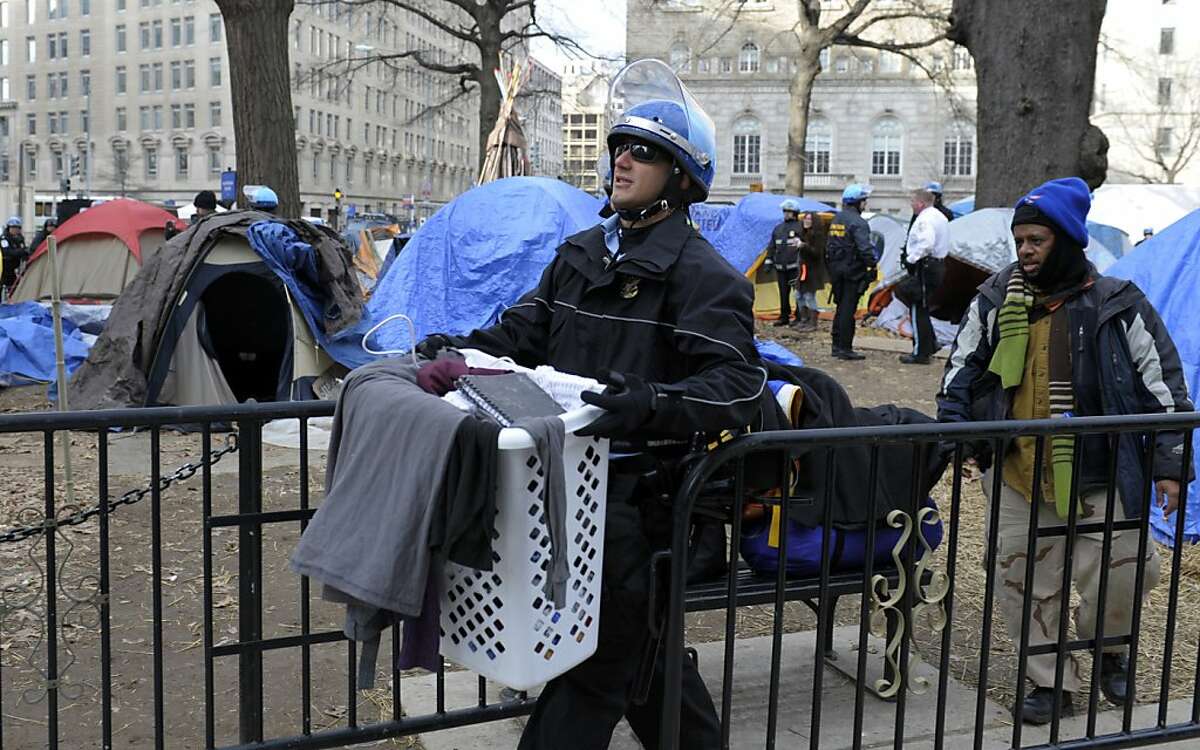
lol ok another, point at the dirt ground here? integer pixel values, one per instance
(877, 379)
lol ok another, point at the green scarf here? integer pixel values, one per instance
(1008, 362)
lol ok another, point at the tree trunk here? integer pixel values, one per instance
(1036, 69)
(800, 93)
(256, 34)
(489, 93)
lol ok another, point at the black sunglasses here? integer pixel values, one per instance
(643, 152)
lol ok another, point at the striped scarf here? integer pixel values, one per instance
(1008, 361)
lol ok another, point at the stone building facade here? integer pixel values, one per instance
(585, 92)
(541, 117)
(875, 117)
(160, 121)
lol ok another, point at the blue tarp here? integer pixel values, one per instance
(478, 255)
(1167, 268)
(962, 207)
(746, 229)
(708, 217)
(27, 344)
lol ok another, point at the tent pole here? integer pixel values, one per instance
(60, 364)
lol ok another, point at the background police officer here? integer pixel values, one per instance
(12, 246)
(784, 256)
(644, 303)
(851, 263)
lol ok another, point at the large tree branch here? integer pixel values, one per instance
(831, 32)
(897, 47)
(465, 33)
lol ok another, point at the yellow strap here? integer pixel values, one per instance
(773, 537)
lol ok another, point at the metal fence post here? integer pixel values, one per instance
(250, 666)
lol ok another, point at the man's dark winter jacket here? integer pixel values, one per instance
(670, 310)
(782, 254)
(849, 252)
(1123, 362)
(14, 252)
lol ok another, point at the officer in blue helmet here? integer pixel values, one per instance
(935, 187)
(850, 258)
(645, 304)
(783, 254)
(13, 250)
(264, 199)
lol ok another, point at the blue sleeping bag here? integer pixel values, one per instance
(804, 547)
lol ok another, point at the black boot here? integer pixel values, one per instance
(1114, 677)
(1038, 707)
(913, 359)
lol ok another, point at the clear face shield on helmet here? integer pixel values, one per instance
(648, 101)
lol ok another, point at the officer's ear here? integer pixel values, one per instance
(686, 182)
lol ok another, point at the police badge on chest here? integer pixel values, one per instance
(629, 288)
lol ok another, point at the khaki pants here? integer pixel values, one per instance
(1012, 546)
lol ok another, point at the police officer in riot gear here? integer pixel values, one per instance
(850, 259)
(645, 304)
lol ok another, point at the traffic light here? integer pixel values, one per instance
(337, 194)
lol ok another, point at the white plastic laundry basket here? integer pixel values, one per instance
(498, 623)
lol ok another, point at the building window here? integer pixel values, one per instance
(4, 18)
(85, 82)
(85, 7)
(1164, 92)
(747, 146)
(31, 124)
(958, 151)
(214, 160)
(31, 87)
(30, 49)
(3, 52)
(681, 58)
(214, 71)
(216, 26)
(886, 139)
(121, 38)
(961, 59)
(5, 89)
(182, 164)
(156, 28)
(189, 31)
(748, 58)
(122, 121)
(176, 32)
(1166, 42)
(144, 34)
(889, 62)
(85, 42)
(151, 160)
(823, 58)
(818, 147)
(144, 118)
(1164, 142)
(726, 65)
(214, 114)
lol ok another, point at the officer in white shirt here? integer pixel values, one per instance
(924, 259)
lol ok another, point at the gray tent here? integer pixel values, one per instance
(206, 321)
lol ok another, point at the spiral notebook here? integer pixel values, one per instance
(508, 398)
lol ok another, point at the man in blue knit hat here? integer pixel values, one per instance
(1050, 337)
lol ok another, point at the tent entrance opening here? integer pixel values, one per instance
(247, 330)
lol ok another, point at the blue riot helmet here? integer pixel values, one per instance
(13, 221)
(264, 199)
(647, 101)
(854, 193)
(934, 187)
(791, 205)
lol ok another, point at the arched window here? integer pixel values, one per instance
(748, 58)
(886, 141)
(747, 146)
(681, 57)
(958, 150)
(818, 147)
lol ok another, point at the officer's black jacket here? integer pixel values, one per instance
(670, 310)
(781, 253)
(848, 251)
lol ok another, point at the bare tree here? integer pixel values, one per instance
(256, 36)
(484, 29)
(1036, 69)
(1159, 117)
(860, 25)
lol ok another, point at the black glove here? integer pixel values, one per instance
(432, 344)
(628, 401)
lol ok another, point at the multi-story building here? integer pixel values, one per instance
(540, 108)
(585, 92)
(875, 117)
(1147, 95)
(132, 96)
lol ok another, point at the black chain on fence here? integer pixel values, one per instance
(181, 474)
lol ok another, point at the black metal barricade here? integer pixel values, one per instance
(917, 588)
(146, 647)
